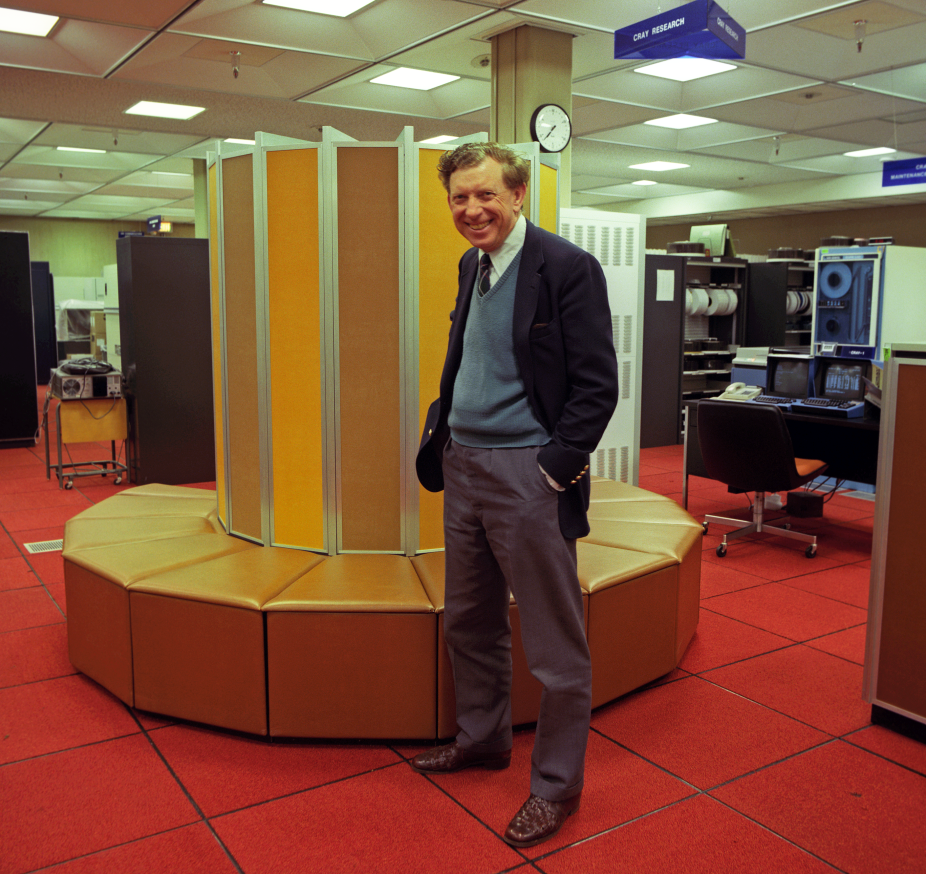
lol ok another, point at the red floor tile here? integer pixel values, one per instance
(391, 820)
(884, 742)
(81, 801)
(698, 836)
(27, 608)
(803, 683)
(15, 573)
(787, 611)
(721, 641)
(58, 714)
(848, 584)
(767, 556)
(701, 733)
(191, 849)
(34, 654)
(848, 644)
(223, 773)
(44, 517)
(847, 806)
(718, 578)
(494, 797)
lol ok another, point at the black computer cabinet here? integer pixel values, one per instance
(19, 410)
(685, 357)
(165, 326)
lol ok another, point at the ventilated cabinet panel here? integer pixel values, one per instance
(369, 350)
(241, 364)
(295, 348)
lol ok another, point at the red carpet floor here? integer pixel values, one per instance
(755, 755)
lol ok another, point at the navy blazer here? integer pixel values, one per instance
(563, 345)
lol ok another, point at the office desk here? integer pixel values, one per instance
(850, 446)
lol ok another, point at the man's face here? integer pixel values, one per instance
(484, 210)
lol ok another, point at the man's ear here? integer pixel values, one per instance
(519, 194)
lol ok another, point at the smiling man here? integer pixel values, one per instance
(529, 385)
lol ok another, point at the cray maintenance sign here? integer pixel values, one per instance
(701, 29)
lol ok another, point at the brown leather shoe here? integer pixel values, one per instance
(453, 757)
(538, 820)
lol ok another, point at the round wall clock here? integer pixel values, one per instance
(551, 127)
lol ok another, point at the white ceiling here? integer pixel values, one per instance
(802, 97)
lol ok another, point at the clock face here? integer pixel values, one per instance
(550, 126)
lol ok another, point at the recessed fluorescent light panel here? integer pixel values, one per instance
(685, 69)
(165, 110)
(658, 166)
(644, 182)
(240, 142)
(339, 8)
(867, 153)
(420, 80)
(27, 23)
(76, 149)
(436, 141)
(680, 121)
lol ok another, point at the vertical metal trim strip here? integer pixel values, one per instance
(261, 304)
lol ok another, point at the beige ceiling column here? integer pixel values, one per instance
(530, 66)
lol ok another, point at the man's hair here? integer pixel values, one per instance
(516, 169)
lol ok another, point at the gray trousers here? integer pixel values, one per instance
(502, 535)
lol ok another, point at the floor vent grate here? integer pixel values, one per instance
(45, 546)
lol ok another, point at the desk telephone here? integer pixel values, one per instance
(738, 391)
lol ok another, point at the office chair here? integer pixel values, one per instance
(747, 446)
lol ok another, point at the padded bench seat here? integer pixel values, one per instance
(176, 617)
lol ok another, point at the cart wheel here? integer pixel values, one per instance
(703, 528)
(69, 484)
(786, 526)
(721, 550)
(117, 480)
(811, 550)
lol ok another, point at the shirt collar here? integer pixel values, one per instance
(505, 254)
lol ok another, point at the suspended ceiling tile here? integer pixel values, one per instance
(640, 89)
(374, 32)
(54, 188)
(152, 14)
(19, 132)
(642, 192)
(25, 208)
(93, 176)
(830, 58)
(148, 143)
(909, 82)
(878, 16)
(791, 148)
(842, 165)
(161, 193)
(82, 47)
(115, 161)
(174, 59)
(656, 137)
(446, 101)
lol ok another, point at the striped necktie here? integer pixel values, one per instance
(485, 268)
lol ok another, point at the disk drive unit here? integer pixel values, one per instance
(867, 297)
(77, 386)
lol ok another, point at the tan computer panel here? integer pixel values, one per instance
(369, 349)
(217, 344)
(547, 184)
(295, 348)
(240, 349)
(440, 248)
(901, 680)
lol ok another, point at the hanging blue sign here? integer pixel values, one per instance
(912, 171)
(154, 224)
(700, 29)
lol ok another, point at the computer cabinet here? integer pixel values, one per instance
(166, 333)
(19, 410)
(688, 349)
(779, 308)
